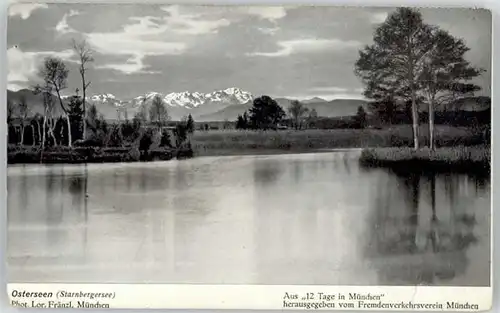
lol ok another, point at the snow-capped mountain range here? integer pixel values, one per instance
(191, 100)
(220, 105)
(179, 104)
(185, 99)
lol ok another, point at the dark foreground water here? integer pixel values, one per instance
(281, 219)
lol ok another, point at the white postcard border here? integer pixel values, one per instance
(252, 296)
(267, 297)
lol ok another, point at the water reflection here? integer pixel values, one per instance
(266, 173)
(425, 241)
(282, 219)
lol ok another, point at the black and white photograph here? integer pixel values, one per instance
(248, 145)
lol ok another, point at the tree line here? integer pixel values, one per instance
(266, 114)
(81, 124)
(412, 63)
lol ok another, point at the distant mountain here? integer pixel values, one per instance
(180, 104)
(338, 107)
(193, 100)
(229, 113)
(313, 100)
(480, 103)
(219, 105)
(333, 108)
(35, 101)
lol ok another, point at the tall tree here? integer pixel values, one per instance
(76, 114)
(240, 124)
(24, 111)
(36, 120)
(48, 124)
(10, 117)
(10, 112)
(265, 113)
(361, 117)
(84, 54)
(158, 113)
(313, 114)
(245, 120)
(392, 65)
(190, 124)
(445, 74)
(312, 117)
(384, 109)
(92, 119)
(297, 111)
(141, 116)
(55, 75)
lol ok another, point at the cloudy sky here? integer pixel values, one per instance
(295, 52)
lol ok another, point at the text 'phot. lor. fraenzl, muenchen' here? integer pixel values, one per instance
(249, 145)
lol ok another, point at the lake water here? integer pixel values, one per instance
(280, 219)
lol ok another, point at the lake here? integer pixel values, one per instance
(281, 219)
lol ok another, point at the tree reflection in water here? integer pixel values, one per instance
(419, 234)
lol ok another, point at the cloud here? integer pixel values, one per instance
(325, 96)
(336, 92)
(191, 23)
(271, 13)
(329, 89)
(73, 12)
(289, 47)
(378, 18)
(145, 26)
(133, 65)
(128, 44)
(16, 87)
(63, 27)
(23, 66)
(136, 40)
(152, 36)
(268, 30)
(24, 10)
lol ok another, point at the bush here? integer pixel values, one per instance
(18, 154)
(146, 141)
(165, 139)
(459, 158)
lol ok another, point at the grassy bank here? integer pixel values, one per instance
(230, 142)
(460, 158)
(27, 154)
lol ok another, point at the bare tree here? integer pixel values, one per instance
(297, 111)
(48, 124)
(91, 119)
(10, 112)
(23, 111)
(158, 112)
(85, 56)
(55, 75)
(36, 119)
(10, 116)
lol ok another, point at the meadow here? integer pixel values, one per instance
(224, 142)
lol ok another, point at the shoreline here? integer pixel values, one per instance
(463, 159)
(89, 155)
(265, 151)
(195, 154)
